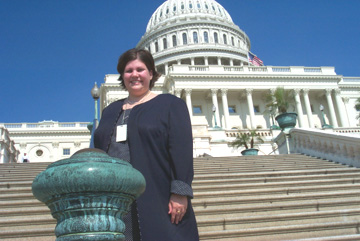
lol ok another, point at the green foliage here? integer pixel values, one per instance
(247, 140)
(281, 100)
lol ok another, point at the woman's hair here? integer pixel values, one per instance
(145, 57)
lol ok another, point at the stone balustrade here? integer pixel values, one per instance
(327, 144)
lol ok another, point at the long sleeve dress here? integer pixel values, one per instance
(160, 146)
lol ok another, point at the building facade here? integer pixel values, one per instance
(47, 141)
(205, 60)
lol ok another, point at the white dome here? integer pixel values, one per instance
(201, 8)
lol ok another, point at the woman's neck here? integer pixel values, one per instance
(132, 101)
(137, 99)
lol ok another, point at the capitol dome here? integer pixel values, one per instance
(172, 9)
(194, 32)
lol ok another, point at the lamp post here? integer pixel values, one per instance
(323, 117)
(214, 110)
(95, 92)
(273, 126)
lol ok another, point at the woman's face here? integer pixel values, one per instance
(137, 77)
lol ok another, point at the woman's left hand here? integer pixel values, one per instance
(177, 207)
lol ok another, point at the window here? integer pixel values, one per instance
(232, 41)
(165, 43)
(232, 109)
(197, 110)
(66, 151)
(206, 37)
(195, 36)
(184, 36)
(156, 47)
(216, 38)
(174, 41)
(256, 109)
(225, 39)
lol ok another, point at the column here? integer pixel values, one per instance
(192, 61)
(219, 60)
(331, 108)
(166, 69)
(346, 104)
(206, 61)
(341, 109)
(225, 107)
(178, 93)
(188, 101)
(251, 107)
(231, 62)
(298, 107)
(308, 107)
(215, 103)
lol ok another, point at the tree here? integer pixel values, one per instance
(248, 140)
(281, 100)
(357, 107)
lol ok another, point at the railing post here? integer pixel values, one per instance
(89, 194)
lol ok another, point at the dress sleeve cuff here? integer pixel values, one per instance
(181, 188)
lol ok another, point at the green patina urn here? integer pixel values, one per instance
(286, 120)
(250, 152)
(89, 194)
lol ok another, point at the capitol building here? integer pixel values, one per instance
(206, 59)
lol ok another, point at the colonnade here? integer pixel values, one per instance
(229, 62)
(341, 107)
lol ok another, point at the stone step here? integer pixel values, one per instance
(235, 206)
(27, 220)
(239, 179)
(259, 173)
(262, 198)
(288, 232)
(322, 184)
(246, 222)
(32, 233)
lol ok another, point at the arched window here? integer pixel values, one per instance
(206, 37)
(225, 39)
(156, 47)
(216, 38)
(184, 37)
(232, 41)
(164, 43)
(174, 41)
(195, 37)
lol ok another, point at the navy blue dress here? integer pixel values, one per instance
(160, 143)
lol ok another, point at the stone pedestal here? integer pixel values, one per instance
(89, 194)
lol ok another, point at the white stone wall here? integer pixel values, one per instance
(48, 141)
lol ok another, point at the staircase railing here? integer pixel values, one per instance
(327, 144)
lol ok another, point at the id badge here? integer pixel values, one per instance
(121, 133)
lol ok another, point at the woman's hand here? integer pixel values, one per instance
(177, 207)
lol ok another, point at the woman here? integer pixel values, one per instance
(153, 133)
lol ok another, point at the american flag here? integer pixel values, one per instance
(255, 60)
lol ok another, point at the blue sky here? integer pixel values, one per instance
(52, 51)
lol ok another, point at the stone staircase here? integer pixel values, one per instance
(262, 198)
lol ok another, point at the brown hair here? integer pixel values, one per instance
(145, 57)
